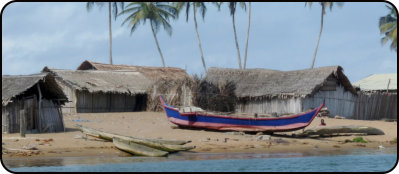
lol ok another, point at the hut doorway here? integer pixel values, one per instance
(31, 114)
(141, 102)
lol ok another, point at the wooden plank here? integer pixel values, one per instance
(22, 122)
(39, 108)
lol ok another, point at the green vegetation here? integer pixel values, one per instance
(157, 13)
(359, 140)
(388, 27)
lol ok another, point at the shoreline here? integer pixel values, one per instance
(73, 143)
(183, 156)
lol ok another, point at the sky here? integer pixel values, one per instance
(283, 37)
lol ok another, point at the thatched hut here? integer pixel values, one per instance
(283, 92)
(38, 97)
(102, 91)
(173, 83)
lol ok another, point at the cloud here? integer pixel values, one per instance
(26, 46)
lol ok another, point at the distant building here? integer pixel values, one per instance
(39, 96)
(378, 82)
(282, 92)
(377, 98)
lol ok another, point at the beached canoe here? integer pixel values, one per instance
(154, 144)
(137, 149)
(228, 122)
(88, 131)
(172, 142)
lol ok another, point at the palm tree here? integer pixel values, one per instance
(324, 5)
(246, 44)
(388, 26)
(158, 13)
(114, 5)
(196, 6)
(232, 7)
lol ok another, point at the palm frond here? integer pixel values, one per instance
(243, 6)
(187, 11)
(308, 3)
(90, 5)
(202, 8)
(115, 8)
(387, 27)
(232, 8)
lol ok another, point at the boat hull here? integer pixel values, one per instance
(218, 122)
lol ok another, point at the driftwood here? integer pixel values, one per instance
(341, 130)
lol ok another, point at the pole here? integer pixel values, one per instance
(22, 122)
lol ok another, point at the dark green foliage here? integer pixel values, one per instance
(388, 27)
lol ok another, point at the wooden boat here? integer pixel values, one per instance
(225, 122)
(160, 145)
(137, 149)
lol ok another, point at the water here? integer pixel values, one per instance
(355, 161)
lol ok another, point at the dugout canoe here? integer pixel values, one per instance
(153, 144)
(137, 149)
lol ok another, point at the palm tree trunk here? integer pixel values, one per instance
(238, 48)
(246, 44)
(199, 40)
(156, 41)
(110, 33)
(318, 40)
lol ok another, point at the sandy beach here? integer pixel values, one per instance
(155, 125)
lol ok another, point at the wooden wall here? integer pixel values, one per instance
(267, 106)
(68, 107)
(10, 117)
(338, 102)
(107, 102)
(376, 106)
(49, 120)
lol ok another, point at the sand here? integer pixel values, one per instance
(155, 125)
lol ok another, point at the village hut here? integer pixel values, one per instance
(33, 101)
(286, 92)
(377, 97)
(174, 84)
(102, 91)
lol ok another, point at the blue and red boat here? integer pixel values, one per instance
(222, 122)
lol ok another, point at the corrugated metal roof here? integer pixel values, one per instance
(378, 82)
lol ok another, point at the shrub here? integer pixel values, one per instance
(359, 140)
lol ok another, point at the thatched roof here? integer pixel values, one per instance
(150, 72)
(272, 83)
(13, 86)
(127, 82)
